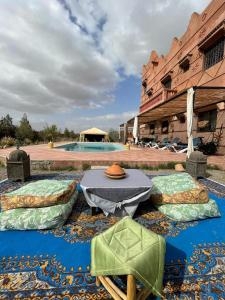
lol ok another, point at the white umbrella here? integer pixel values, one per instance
(135, 130)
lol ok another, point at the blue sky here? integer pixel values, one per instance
(78, 64)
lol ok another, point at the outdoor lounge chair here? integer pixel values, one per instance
(182, 148)
(174, 142)
(163, 143)
(152, 142)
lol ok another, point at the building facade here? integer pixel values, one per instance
(197, 60)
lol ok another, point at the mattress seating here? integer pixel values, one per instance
(182, 198)
(43, 204)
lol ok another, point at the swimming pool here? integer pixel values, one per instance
(92, 147)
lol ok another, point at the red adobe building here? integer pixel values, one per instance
(197, 60)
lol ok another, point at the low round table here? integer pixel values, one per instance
(116, 196)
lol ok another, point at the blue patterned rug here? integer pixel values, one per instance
(54, 264)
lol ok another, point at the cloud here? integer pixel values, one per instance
(105, 122)
(47, 63)
(61, 55)
(136, 27)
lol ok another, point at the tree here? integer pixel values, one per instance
(50, 133)
(24, 130)
(113, 135)
(66, 133)
(74, 135)
(6, 127)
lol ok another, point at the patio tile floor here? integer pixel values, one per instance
(139, 156)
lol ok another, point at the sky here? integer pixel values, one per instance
(77, 63)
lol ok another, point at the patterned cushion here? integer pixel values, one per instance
(40, 193)
(37, 218)
(190, 212)
(177, 188)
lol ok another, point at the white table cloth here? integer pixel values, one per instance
(116, 196)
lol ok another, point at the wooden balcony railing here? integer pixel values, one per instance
(153, 101)
(167, 93)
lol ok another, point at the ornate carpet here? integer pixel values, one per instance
(54, 264)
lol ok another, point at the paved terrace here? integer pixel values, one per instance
(58, 158)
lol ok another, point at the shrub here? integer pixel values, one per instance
(86, 167)
(7, 142)
(27, 141)
(65, 168)
(213, 167)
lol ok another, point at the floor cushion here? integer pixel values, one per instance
(190, 212)
(129, 248)
(37, 218)
(177, 188)
(40, 193)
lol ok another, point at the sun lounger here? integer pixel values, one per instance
(157, 145)
(182, 148)
(174, 142)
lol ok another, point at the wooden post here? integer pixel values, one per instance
(131, 287)
(97, 282)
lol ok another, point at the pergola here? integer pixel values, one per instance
(186, 101)
(202, 97)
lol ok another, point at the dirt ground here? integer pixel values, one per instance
(216, 175)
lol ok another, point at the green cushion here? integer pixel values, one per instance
(190, 212)
(39, 194)
(36, 218)
(45, 188)
(129, 248)
(177, 188)
(172, 184)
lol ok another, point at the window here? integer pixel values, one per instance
(185, 66)
(214, 54)
(149, 92)
(181, 118)
(144, 84)
(152, 128)
(207, 121)
(185, 63)
(167, 84)
(165, 127)
(167, 80)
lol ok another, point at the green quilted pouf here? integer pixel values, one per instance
(129, 248)
(36, 218)
(190, 212)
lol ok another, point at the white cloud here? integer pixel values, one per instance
(47, 63)
(59, 55)
(136, 27)
(105, 122)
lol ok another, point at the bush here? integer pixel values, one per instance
(7, 142)
(27, 141)
(86, 167)
(213, 167)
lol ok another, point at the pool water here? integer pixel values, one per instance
(92, 147)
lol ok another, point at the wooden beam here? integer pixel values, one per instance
(109, 288)
(116, 289)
